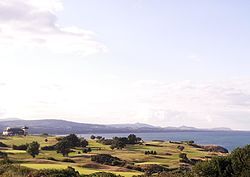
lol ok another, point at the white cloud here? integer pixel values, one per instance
(33, 23)
(203, 104)
(199, 104)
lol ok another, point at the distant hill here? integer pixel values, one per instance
(135, 126)
(56, 126)
(9, 119)
(221, 129)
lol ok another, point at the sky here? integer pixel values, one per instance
(165, 63)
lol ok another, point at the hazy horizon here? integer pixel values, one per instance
(163, 63)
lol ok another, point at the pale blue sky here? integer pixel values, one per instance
(166, 63)
(174, 39)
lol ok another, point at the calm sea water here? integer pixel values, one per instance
(227, 139)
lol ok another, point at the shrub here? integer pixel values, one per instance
(240, 159)
(150, 152)
(150, 169)
(52, 158)
(235, 165)
(69, 172)
(20, 147)
(102, 174)
(134, 167)
(181, 148)
(86, 150)
(9, 170)
(98, 137)
(48, 148)
(59, 138)
(3, 154)
(107, 159)
(68, 160)
(3, 145)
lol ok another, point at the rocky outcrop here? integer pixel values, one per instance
(213, 148)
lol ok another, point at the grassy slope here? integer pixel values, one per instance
(132, 153)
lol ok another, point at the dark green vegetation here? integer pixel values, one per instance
(119, 142)
(33, 149)
(37, 156)
(107, 159)
(237, 164)
(65, 144)
(9, 170)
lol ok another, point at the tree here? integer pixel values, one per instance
(63, 147)
(72, 140)
(118, 144)
(98, 137)
(83, 142)
(33, 148)
(237, 164)
(217, 167)
(241, 161)
(132, 139)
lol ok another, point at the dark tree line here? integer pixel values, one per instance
(119, 142)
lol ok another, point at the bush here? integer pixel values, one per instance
(3, 145)
(240, 159)
(59, 138)
(235, 165)
(150, 169)
(107, 159)
(52, 158)
(20, 147)
(150, 152)
(86, 150)
(181, 148)
(9, 170)
(134, 167)
(48, 148)
(3, 154)
(102, 174)
(69, 172)
(68, 160)
(98, 137)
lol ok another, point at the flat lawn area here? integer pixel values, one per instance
(14, 151)
(18, 140)
(79, 169)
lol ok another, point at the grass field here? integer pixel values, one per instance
(167, 155)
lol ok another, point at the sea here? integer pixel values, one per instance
(228, 139)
